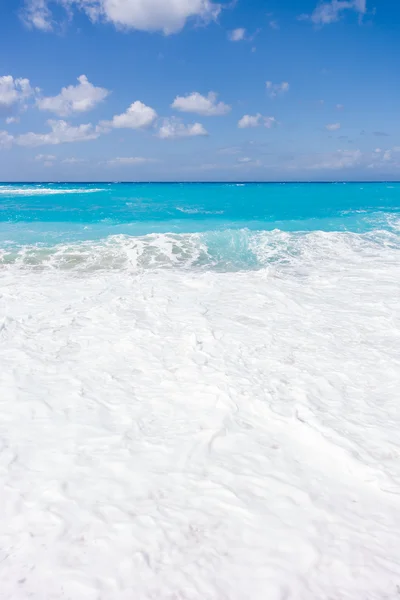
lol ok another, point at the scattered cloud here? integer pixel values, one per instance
(331, 12)
(229, 150)
(380, 134)
(273, 24)
(129, 160)
(61, 133)
(339, 106)
(168, 16)
(137, 116)
(11, 120)
(255, 121)
(6, 139)
(174, 128)
(277, 89)
(74, 98)
(387, 155)
(385, 161)
(45, 157)
(341, 159)
(13, 90)
(201, 105)
(73, 161)
(237, 35)
(332, 126)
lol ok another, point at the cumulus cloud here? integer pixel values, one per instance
(137, 116)
(201, 105)
(174, 128)
(37, 14)
(13, 90)
(5, 139)
(129, 160)
(332, 126)
(330, 12)
(277, 89)
(168, 16)
(61, 133)
(74, 98)
(237, 35)
(255, 121)
(11, 120)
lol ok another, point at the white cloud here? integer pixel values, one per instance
(277, 89)
(14, 90)
(137, 116)
(61, 133)
(201, 105)
(45, 157)
(332, 126)
(168, 16)
(174, 128)
(339, 106)
(244, 159)
(129, 160)
(74, 98)
(229, 150)
(274, 24)
(5, 139)
(330, 12)
(73, 161)
(11, 120)
(255, 121)
(342, 159)
(384, 161)
(237, 35)
(387, 155)
(250, 121)
(37, 14)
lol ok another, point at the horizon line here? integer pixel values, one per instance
(222, 182)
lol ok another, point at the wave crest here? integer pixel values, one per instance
(228, 250)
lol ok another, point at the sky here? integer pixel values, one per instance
(197, 90)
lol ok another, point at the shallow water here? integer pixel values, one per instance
(200, 391)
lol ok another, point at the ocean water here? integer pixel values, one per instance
(200, 391)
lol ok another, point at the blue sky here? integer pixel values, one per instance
(198, 90)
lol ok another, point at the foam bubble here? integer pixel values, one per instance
(188, 433)
(225, 250)
(44, 191)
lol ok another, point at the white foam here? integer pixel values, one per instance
(220, 249)
(198, 211)
(170, 433)
(44, 191)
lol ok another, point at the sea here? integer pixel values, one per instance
(200, 391)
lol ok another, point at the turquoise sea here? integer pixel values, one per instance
(207, 225)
